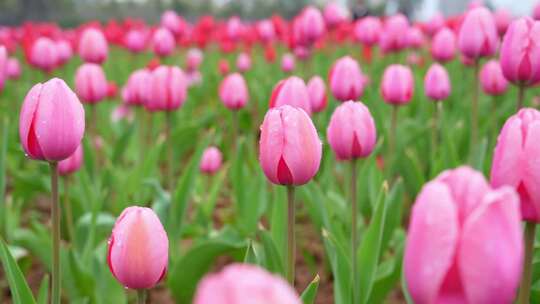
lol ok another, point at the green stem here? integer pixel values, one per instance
(435, 128)
(141, 296)
(69, 211)
(392, 141)
(55, 214)
(291, 242)
(170, 171)
(474, 109)
(354, 229)
(521, 97)
(234, 128)
(526, 280)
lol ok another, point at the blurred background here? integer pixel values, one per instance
(73, 12)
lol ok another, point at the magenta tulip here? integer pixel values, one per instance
(51, 123)
(4, 66)
(435, 24)
(167, 89)
(135, 92)
(13, 68)
(368, 30)
(90, 83)
(266, 30)
(287, 62)
(210, 161)
(290, 148)
(394, 35)
(317, 94)
(163, 42)
(310, 24)
(503, 18)
(93, 46)
(172, 22)
(397, 84)
(415, 38)
(234, 28)
(138, 249)
(462, 234)
(437, 83)
(243, 62)
(233, 91)
(291, 91)
(64, 50)
(71, 164)
(135, 41)
(44, 54)
(478, 34)
(536, 12)
(443, 46)
(244, 284)
(492, 79)
(334, 14)
(351, 132)
(345, 79)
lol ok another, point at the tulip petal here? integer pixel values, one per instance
(271, 144)
(531, 173)
(26, 123)
(506, 168)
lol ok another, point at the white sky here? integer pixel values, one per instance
(517, 7)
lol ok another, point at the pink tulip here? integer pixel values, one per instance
(394, 35)
(13, 68)
(4, 66)
(71, 164)
(415, 59)
(223, 67)
(466, 61)
(93, 46)
(503, 18)
(302, 52)
(167, 89)
(435, 24)
(492, 79)
(287, 62)
(244, 284)
(516, 161)
(317, 94)
(310, 25)
(415, 38)
(397, 84)
(194, 59)
(44, 54)
(135, 41)
(478, 34)
(291, 91)
(138, 249)
(163, 42)
(334, 14)
(443, 46)
(135, 92)
(243, 62)
(368, 30)
(210, 161)
(351, 132)
(266, 30)
(51, 123)
(90, 83)
(520, 52)
(172, 22)
(290, 148)
(437, 83)
(122, 111)
(233, 91)
(234, 28)
(64, 50)
(345, 79)
(463, 234)
(536, 12)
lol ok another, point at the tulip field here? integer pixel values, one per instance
(319, 159)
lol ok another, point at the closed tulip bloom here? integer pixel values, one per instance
(536, 12)
(4, 66)
(291, 91)
(172, 22)
(167, 89)
(345, 79)
(194, 59)
(435, 24)
(351, 132)
(492, 79)
(437, 83)
(289, 149)
(266, 30)
(287, 63)
(244, 284)
(463, 234)
(135, 91)
(520, 52)
(397, 84)
(368, 30)
(138, 249)
(64, 50)
(243, 62)
(394, 35)
(44, 54)
(233, 91)
(135, 41)
(443, 46)
(163, 42)
(90, 83)
(93, 46)
(415, 38)
(317, 94)
(71, 164)
(223, 67)
(334, 14)
(51, 123)
(310, 25)
(13, 68)
(503, 18)
(234, 28)
(478, 34)
(122, 112)
(210, 161)
(516, 161)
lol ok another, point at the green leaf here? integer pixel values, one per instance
(341, 268)
(251, 255)
(20, 292)
(310, 293)
(43, 294)
(272, 260)
(122, 143)
(3, 152)
(479, 155)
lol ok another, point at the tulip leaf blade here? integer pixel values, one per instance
(20, 291)
(310, 293)
(3, 154)
(43, 294)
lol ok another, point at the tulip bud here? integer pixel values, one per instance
(51, 123)
(4, 66)
(415, 38)
(478, 34)
(194, 59)
(243, 62)
(44, 54)
(138, 249)
(345, 79)
(317, 94)
(310, 25)
(163, 42)
(520, 52)
(334, 14)
(290, 148)
(287, 63)
(135, 41)
(461, 235)
(172, 22)
(223, 67)
(536, 12)
(122, 111)
(517, 159)
(233, 91)
(443, 46)
(93, 46)
(492, 79)
(167, 89)
(351, 132)
(437, 83)
(503, 18)
(13, 68)
(266, 31)
(71, 164)
(244, 284)
(394, 35)
(397, 84)
(291, 91)
(64, 50)
(90, 83)
(435, 24)
(210, 161)
(368, 30)
(135, 91)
